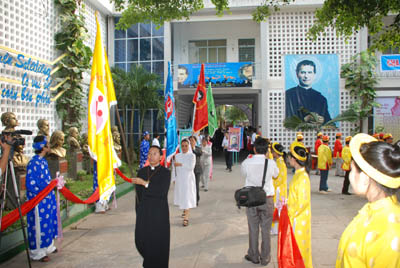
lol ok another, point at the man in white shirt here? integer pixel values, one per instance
(253, 136)
(260, 217)
(155, 141)
(227, 153)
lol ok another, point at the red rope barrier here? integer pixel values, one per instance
(13, 216)
(73, 198)
(125, 178)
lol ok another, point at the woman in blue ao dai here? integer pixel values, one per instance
(42, 219)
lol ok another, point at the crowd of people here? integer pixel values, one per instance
(370, 165)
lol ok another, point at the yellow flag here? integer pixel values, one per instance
(101, 98)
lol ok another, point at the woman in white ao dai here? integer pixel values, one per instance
(185, 182)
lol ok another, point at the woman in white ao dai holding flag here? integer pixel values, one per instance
(185, 182)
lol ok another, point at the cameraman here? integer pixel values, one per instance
(5, 148)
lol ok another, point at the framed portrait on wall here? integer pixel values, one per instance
(312, 85)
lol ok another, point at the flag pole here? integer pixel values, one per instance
(194, 114)
(124, 146)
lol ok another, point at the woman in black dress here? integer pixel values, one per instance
(152, 233)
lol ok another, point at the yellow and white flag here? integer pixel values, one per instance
(101, 98)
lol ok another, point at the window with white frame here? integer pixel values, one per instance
(247, 50)
(207, 51)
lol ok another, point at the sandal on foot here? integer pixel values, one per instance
(44, 259)
(185, 222)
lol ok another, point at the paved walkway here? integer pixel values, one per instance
(216, 237)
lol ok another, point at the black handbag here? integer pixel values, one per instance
(252, 196)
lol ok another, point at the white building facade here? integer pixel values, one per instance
(283, 33)
(28, 27)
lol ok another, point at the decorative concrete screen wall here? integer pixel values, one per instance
(90, 20)
(286, 34)
(28, 27)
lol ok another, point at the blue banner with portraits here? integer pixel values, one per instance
(390, 62)
(312, 85)
(227, 74)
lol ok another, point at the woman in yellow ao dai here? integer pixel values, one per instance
(299, 202)
(280, 182)
(372, 239)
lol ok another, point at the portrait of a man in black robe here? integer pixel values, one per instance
(302, 99)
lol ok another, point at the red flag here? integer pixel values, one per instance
(275, 216)
(201, 107)
(289, 255)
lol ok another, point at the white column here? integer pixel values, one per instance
(110, 40)
(167, 48)
(263, 100)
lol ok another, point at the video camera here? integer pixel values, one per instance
(17, 140)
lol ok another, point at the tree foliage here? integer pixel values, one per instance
(138, 89)
(311, 122)
(70, 39)
(159, 11)
(234, 114)
(295, 123)
(361, 80)
(124, 90)
(148, 89)
(345, 16)
(220, 109)
(351, 15)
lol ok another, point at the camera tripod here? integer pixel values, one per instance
(16, 203)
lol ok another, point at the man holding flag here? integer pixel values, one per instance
(101, 98)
